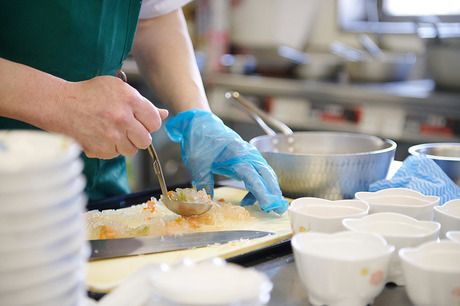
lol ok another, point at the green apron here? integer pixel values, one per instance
(75, 40)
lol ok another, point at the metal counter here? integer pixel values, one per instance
(289, 291)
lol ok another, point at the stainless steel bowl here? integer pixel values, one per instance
(329, 165)
(446, 155)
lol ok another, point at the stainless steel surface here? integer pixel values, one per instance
(288, 289)
(110, 248)
(182, 208)
(446, 155)
(329, 165)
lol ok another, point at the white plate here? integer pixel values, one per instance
(34, 152)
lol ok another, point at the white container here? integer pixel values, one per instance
(400, 200)
(215, 283)
(34, 153)
(41, 199)
(453, 235)
(342, 269)
(320, 215)
(398, 230)
(449, 216)
(432, 273)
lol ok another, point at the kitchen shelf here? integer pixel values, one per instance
(409, 97)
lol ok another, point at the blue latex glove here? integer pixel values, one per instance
(209, 147)
(424, 175)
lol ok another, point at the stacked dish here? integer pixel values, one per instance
(449, 216)
(43, 248)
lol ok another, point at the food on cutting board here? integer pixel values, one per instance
(152, 218)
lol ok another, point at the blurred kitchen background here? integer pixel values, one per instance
(384, 67)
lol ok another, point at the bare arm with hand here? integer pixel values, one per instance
(105, 115)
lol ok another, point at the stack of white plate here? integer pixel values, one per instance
(43, 249)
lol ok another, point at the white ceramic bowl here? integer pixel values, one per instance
(449, 216)
(41, 199)
(453, 235)
(213, 283)
(11, 224)
(50, 179)
(400, 200)
(398, 230)
(432, 273)
(34, 152)
(21, 279)
(342, 269)
(46, 291)
(55, 251)
(320, 215)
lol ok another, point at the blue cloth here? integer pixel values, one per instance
(424, 175)
(209, 147)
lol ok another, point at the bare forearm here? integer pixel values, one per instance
(29, 95)
(164, 54)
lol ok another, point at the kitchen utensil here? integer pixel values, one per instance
(320, 215)
(361, 67)
(109, 248)
(312, 66)
(370, 46)
(183, 208)
(342, 269)
(446, 155)
(400, 200)
(331, 165)
(432, 273)
(449, 216)
(398, 230)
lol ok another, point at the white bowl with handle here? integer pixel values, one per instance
(449, 216)
(398, 230)
(320, 215)
(432, 273)
(400, 200)
(342, 269)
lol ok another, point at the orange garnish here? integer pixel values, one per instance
(106, 232)
(221, 200)
(150, 206)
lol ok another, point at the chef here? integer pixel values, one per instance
(59, 62)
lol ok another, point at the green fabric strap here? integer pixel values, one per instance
(75, 40)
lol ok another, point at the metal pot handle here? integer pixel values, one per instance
(259, 116)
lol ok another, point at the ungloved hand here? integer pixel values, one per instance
(209, 147)
(423, 175)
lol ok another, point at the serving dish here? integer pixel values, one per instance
(398, 230)
(400, 200)
(320, 215)
(448, 215)
(342, 269)
(432, 273)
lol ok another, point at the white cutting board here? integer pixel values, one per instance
(104, 275)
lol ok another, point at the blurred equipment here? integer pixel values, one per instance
(362, 66)
(329, 165)
(443, 62)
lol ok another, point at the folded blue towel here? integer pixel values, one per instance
(424, 175)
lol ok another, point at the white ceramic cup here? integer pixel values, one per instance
(320, 215)
(342, 269)
(449, 216)
(400, 200)
(398, 230)
(432, 273)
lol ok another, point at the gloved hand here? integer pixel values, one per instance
(424, 175)
(209, 147)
